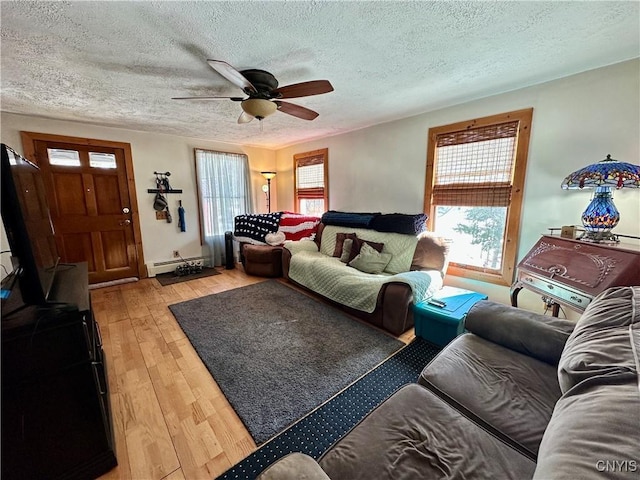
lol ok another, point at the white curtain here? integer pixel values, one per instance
(224, 183)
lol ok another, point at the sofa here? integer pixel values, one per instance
(400, 269)
(521, 396)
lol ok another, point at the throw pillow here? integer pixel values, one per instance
(369, 260)
(340, 238)
(276, 238)
(346, 250)
(357, 245)
(601, 347)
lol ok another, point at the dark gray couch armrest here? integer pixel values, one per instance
(536, 335)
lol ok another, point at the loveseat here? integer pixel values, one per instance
(377, 277)
(521, 396)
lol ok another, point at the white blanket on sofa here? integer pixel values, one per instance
(348, 286)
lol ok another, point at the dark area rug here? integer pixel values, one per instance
(276, 353)
(170, 278)
(320, 429)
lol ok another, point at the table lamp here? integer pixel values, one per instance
(601, 214)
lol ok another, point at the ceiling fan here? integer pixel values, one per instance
(263, 94)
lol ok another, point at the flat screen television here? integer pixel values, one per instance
(27, 222)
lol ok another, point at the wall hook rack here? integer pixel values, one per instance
(162, 183)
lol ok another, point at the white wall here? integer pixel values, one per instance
(151, 152)
(577, 121)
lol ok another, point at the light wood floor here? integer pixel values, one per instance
(171, 420)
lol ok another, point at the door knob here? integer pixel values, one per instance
(125, 222)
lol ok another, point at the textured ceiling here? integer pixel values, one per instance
(119, 63)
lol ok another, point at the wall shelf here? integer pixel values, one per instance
(156, 190)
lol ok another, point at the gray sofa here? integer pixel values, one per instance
(520, 396)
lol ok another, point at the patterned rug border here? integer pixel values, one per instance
(317, 431)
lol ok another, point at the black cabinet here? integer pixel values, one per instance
(56, 417)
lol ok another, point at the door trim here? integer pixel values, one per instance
(29, 150)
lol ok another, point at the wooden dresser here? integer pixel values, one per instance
(571, 272)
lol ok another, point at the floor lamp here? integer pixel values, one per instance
(268, 176)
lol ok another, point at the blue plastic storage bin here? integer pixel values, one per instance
(440, 325)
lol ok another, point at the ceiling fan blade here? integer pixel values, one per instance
(245, 118)
(304, 89)
(233, 99)
(233, 75)
(296, 110)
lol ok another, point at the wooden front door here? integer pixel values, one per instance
(89, 186)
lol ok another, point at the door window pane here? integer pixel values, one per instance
(102, 160)
(63, 158)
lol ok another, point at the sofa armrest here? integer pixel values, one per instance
(301, 246)
(526, 332)
(295, 466)
(291, 248)
(432, 253)
(395, 301)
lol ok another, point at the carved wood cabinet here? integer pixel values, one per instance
(571, 272)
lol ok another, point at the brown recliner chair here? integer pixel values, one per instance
(262, 260)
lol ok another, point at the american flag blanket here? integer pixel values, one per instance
(258, 229)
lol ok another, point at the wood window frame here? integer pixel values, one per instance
(514, 210)
(297, 158)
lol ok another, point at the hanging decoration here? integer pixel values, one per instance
(181, 221)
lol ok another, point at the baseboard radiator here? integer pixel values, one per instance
(156, 268)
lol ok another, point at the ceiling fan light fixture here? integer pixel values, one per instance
(258, 107)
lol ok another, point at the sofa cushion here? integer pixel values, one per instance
(414, 434)
(401, 247)
(602, 342)
(594, 433)
(510, 393)
(370, 260)
(329, 277)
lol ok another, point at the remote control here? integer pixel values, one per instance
(436, 302)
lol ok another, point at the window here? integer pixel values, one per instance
(102, 160)
(63, 158)
(311, 182)
(224, 189)
(475, 179)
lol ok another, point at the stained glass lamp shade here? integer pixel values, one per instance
(602, 215)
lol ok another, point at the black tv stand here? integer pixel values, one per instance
(56, 416)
